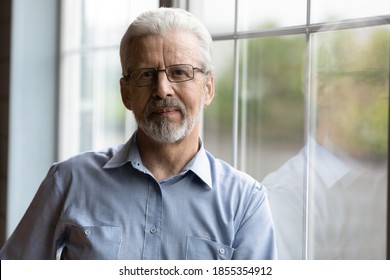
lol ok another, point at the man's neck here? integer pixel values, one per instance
(164, 160)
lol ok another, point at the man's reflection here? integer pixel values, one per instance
(344, 164)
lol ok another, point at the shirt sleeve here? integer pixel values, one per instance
(255, 238)
(34, 237)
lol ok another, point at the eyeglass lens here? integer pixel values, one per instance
(175, 73)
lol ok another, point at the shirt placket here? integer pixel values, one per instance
(152, 241)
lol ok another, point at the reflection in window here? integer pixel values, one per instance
(347, 216)
(346, 155)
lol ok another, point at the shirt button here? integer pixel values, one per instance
(87, 232)
(153, 230)
(222, 251)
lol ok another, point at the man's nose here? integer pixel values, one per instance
(163, 87)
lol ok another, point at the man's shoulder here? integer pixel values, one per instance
(88, 159)
(223, 172)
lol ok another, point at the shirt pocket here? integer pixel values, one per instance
(92, 242)
(206, 249)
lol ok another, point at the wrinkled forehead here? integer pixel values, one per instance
(173, 48)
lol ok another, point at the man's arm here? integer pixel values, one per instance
(255, 238)
(34, 237)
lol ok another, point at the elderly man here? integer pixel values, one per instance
(161, 195)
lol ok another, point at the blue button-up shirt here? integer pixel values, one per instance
(107, 205)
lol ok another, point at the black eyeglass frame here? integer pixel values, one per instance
(156, 71)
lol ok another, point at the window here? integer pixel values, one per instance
(302, 105)
(302, 94)
(91, 111)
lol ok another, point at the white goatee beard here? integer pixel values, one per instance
(165, 130)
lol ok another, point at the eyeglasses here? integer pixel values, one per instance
(176, 73)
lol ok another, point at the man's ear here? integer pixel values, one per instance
(209, 94)
(125, 93)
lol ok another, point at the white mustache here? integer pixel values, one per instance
(158, 104)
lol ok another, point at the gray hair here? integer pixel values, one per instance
(162, 21)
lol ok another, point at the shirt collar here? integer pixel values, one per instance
(128, 152)
(200, 165)
(121, 155)
(329, 168)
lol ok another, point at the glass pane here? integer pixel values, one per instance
(91, 112)
(348, 162)
(271, 79)
(103, 100)
(69, 121)
(271, 125)
(260, 14)
(71, 25)
(106, 21)
(328, 10)
(218, 119)
(217, 15)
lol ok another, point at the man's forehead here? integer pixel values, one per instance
(175, 46)
(174, 40)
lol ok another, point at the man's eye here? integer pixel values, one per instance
(179, 72)
(146, 74)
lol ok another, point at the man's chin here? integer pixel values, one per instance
(163, 134)
(167, 139)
